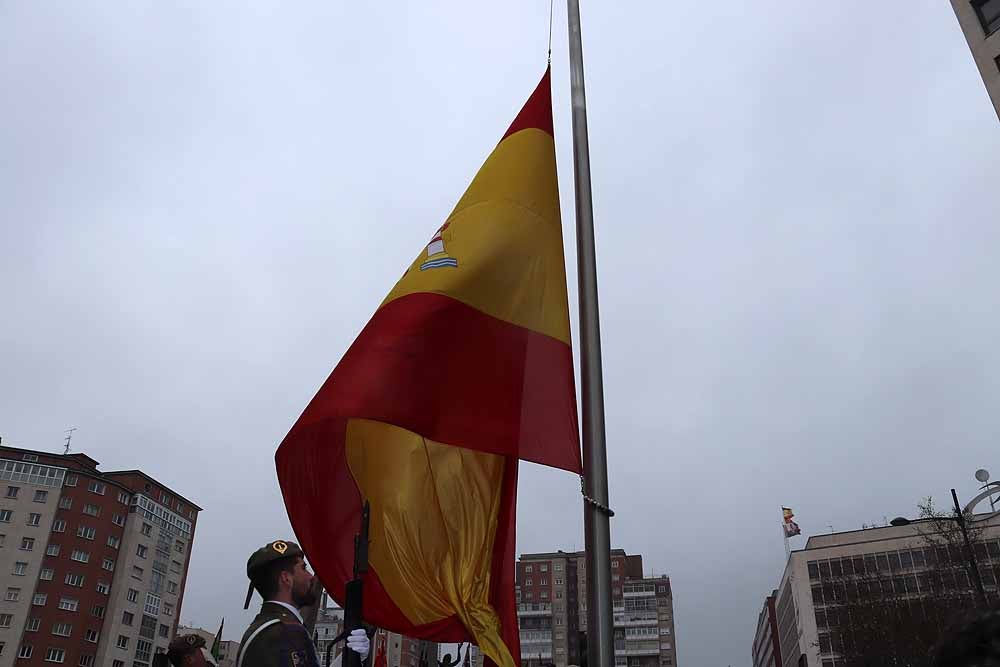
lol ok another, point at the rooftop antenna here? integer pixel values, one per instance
(69, 438)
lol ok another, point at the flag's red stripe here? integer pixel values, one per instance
(537, 111)
(438, 367)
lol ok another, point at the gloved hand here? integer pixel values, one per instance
(358, 642)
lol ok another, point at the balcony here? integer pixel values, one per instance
(639, 591)
(536, 637)
(635, 619)
(542, 654)
(534, 609)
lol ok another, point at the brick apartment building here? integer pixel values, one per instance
(92, 564)
(552, 611)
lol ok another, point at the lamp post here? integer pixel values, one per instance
(970, 554)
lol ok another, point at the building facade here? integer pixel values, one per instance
(980, 21)
(812, 587)
(766, 649)
(552, 611)
(92, 564)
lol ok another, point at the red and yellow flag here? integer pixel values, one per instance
(464, 369)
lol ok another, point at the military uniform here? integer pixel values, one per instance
(276, 637)
(188, 645)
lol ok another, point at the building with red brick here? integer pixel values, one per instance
(92, 563)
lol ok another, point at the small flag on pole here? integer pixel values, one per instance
(791, 528)
(217, 642)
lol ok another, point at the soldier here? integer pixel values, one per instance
(189, 651)
(277, 637)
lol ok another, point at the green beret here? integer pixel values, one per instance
(184, 645)
(266, 555)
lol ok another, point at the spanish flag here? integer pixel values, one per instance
(464, 369)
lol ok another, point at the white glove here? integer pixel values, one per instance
(358, 642)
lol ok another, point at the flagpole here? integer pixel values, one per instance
(597, 527)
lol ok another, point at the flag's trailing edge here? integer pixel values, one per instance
(464, 369)
(791, 528)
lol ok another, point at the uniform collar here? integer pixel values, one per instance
(288, 607)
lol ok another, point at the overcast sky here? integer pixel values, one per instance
(201, 204)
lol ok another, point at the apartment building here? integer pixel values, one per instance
(92, 563)
(766, 650)
(552, 611)
(980, 22)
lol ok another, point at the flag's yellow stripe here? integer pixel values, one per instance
(506, 237)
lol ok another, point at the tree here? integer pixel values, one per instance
(889, 609)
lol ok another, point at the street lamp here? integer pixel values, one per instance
(970, 554)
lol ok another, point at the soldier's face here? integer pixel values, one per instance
(303, 594)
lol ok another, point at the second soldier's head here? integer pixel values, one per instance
(285, 578)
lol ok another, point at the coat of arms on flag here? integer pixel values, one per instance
(791, 528)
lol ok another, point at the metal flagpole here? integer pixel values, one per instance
(597, 527)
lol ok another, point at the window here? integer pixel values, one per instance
(20, 568)
(80, 556)
(96, 487)
(141, 550)
(147, 529)
(133, 595)
(117, 663)
(118, 520)
(3, 539)
(25, 651)
(46, 574)
(5, 620)
(168, 609)
(108, 565)
(123, 498)
(91, 636)
(122, 641)
(59, 526)
(143, 649)
(6, 515)
(12, 491)
(74, 580)
(68, 604)
(86, 661)
(557, 567)
(86, 532)
(988, 12)
(543, 568)
(164, 631)
(179, 546)
(71, 480)
(114, 542)
(97, 610)
(152, 604)
(65, 503)
(559, 581)
(30, 457)
(13, 594)
(175, 567)
(127, 618)
(172, 587)
(615, 577)
(34, 519)
(39, 599)
(137, 572)
(41, 496)
(33, 625)
(91, 509)
(615, 564)
(103, 587)
(147, 628)
(62, 629)
(543, 582)
(55, 655)
(529, 568)
(52, 550)
(164, 499)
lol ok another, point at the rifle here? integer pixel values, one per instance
(354, 591)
